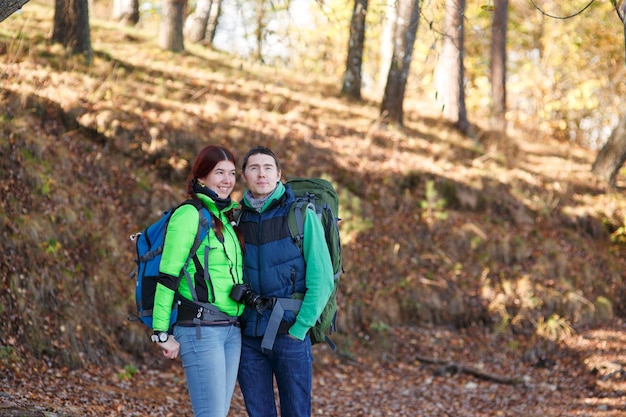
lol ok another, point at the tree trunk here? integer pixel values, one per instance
(352, 77)
(386, 44)
(260, 29)
(612, 155)
(126, 12)
(450, 72)
(198, 21)
(71, 26)
(214, 16)
(498, 65)
(8, 7)
(171, 30)
(405, 31)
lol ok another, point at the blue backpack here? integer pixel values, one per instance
(149, 247)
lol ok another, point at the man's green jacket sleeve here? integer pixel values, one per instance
(319, 276)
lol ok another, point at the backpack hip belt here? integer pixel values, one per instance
(202, 314)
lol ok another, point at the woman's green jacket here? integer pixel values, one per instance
(225, 262)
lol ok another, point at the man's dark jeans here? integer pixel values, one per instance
(291, 362)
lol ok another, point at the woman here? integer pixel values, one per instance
(207, 334)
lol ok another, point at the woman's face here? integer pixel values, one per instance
(222, 179)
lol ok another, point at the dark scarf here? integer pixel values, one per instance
(220, 203)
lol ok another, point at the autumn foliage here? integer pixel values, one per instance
(510, 234)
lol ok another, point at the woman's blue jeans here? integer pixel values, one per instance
(210, 364)
(290, 362)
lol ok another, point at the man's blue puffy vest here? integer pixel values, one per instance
(274, 265)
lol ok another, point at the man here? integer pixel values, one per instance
(298, 284)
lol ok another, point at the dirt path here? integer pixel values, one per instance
(583, 376)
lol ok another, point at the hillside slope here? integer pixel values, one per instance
(508, 232)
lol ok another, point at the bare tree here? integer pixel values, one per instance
(260, 29)
(404, 34)
(8, 7)
(71, 26)
(621, 12)
(201, 24)
(214, 17)
(612, 155)
(450, 71)
(126, 12)
(386, 44)
(171, 30)
(352, 76)
(498, 65)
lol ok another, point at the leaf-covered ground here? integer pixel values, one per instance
(476, 373)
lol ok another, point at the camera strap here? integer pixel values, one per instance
(280, 305)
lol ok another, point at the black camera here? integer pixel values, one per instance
(242, 293)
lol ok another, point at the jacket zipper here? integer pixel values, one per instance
(259, 231)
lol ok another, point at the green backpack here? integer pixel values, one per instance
(320, 195)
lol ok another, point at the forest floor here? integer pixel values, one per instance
(401, 372)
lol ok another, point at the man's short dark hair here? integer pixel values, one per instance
(259, 150)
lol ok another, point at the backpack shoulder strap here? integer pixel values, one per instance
(237, 214)
(297, 213)
(204, 224)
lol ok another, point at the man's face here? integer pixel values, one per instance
(261, 175)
